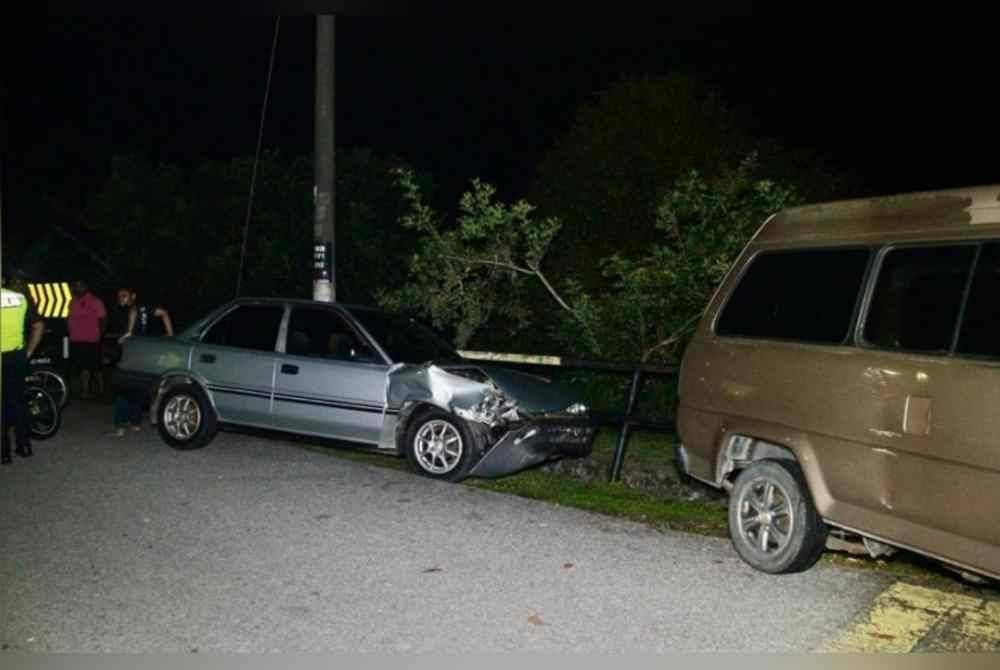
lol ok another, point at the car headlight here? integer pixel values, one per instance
(494, 408)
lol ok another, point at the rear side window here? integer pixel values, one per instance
(917, 298)
(247, 327)
(980, 335)
(807, 295)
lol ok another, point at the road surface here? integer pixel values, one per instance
(254, 544)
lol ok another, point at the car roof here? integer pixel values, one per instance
(972, 212)
(306, 301)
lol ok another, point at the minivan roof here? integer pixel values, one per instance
(954, 213)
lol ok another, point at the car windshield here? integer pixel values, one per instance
(403, 338)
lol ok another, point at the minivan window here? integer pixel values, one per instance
(917, 297)
(980, 334)
(806, 295)
(247, 327)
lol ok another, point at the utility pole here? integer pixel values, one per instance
(324, 273)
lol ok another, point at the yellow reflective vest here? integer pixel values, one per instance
(13, 312)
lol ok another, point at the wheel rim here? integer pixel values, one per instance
(42, 411)
(54, 384)
(438, 447)
(182, 417)
(765, 517)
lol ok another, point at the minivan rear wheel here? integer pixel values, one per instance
(773, 523)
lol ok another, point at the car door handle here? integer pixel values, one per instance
(289, 369)
(207, 358)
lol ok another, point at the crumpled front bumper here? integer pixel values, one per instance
(539, 440)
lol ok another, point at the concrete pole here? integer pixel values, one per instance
(324, 271)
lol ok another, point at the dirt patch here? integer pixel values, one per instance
(661, 479)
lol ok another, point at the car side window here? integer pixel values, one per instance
(247, 327)
(980, 334)
(807, 295)
(917, 297)
(322, 333)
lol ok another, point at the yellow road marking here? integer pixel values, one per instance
(906, 618)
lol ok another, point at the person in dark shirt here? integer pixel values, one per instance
(143, 319)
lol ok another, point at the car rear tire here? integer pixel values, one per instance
(439, 446)
(773, 523)
(52, 381)
(186, 418)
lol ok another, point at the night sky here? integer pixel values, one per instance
(905, 101)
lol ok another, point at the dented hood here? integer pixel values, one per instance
(461, 385)
(533, 393)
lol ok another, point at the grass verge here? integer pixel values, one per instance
(613, 498)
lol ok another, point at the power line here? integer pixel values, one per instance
(256, 158)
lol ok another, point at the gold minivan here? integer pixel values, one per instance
(844, 382)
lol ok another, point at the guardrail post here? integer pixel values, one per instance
(623, 433)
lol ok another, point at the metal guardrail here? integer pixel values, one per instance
(626, 421)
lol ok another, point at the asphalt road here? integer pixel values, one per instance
(253, 544)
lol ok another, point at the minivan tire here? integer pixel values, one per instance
(185, 417)
(773, 523)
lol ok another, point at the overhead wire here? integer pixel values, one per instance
(256, 158)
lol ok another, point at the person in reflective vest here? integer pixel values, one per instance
(21, 331)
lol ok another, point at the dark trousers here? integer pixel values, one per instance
(15, 412)
(128, 408)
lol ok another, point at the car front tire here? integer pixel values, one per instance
(773, 523)
(439, 446)
(186, 418)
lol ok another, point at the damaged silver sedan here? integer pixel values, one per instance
(350, 373)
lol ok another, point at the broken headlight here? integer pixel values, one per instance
(493, 409)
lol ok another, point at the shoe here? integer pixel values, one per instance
(6, 459)
(136, 427)
(117, 432)
(23, 452)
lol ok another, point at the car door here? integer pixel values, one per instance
(329, 380)
(236, 356)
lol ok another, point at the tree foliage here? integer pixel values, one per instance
(650, 304)
(475, 276)
(476, 271)
(176, 231)
(604, 177)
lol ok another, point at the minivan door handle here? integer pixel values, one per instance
(287, 369)
(207, 358)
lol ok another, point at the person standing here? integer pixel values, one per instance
(143, 319)
(21, 331)
(87, 317)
